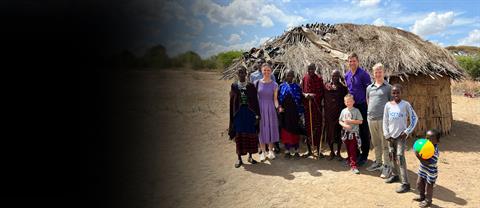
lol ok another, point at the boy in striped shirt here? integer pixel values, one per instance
(427, 172)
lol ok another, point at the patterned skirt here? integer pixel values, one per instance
(246, 136)
(289, 139)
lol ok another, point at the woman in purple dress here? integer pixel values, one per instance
(267, 97)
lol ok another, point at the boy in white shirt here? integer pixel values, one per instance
(396, 131)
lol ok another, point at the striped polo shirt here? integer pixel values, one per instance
(429, 172)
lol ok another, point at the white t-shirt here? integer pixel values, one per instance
(395, 119)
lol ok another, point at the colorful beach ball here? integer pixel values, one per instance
(424, 147)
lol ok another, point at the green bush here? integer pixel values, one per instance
(188, 59)
(224, 59)
(156, 58)
(210, 63)
(471, 64)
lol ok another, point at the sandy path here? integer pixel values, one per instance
(190, 160)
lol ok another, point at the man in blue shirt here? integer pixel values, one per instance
(357, 80)
(257, 74)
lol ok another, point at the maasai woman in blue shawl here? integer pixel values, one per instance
(291, 109)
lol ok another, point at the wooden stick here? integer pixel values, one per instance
(323, 135)
(311, 124)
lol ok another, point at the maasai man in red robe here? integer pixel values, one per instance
(335, 92)
(313, 89)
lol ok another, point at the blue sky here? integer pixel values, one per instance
(211, 26)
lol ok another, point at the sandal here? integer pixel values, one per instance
(307, 155)
(320, 156)
(332, 155)
(238, 163)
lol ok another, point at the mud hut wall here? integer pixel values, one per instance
(431, 99)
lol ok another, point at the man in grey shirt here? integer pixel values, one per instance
(377, 95)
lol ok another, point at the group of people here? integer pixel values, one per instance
(356, 112)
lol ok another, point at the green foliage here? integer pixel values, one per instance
(471, 64)
(224, 59)
(157, 58)
(188, 59)
(210, 63)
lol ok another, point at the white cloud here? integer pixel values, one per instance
(379, 22)
(472, 39)
(266, 21)
(234, 38)
(433, 23)
(195, 24)
(274, 12)
(208, 49)
(285, 1)
(244, 12)
(367, 3)
(390, 12)
(465, 21)
(344, 13)
(261, 41)
(399, 17)
(437, 43)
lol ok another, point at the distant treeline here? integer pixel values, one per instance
(468, 57)
(156, 57)
(463, 50)
(471, 64)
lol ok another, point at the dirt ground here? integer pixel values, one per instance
(190, 161)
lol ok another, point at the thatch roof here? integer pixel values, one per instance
(402, 53)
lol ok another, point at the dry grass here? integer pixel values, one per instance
(466, 86)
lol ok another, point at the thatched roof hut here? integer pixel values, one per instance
(423, 68)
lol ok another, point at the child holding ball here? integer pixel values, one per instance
(427, 172)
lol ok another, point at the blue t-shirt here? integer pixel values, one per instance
(257, 75)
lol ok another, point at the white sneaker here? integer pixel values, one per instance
(375, 166)
(356, 171)
(262, 157)
(386, 172)
(271, 155)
